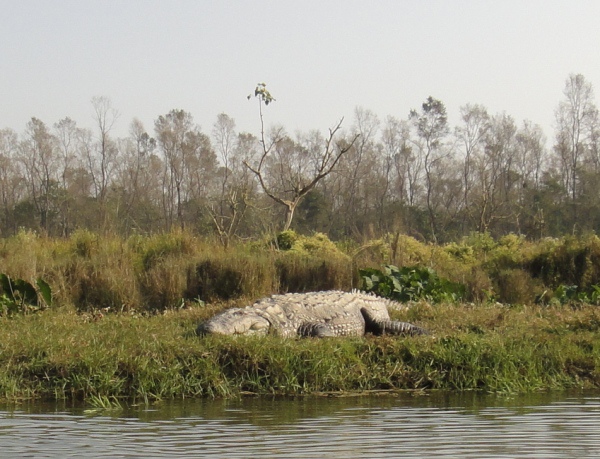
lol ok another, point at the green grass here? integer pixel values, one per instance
(59, 354)
(124, 311)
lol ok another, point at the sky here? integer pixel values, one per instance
(319, 59)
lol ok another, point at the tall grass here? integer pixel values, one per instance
(160, 272)
(153, 273)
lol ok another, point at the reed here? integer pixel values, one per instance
(89, 272)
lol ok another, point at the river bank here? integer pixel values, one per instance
(58, 353)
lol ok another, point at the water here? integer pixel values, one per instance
(468, 425)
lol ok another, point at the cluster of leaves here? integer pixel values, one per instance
(566, 294)
(262, 93)
(18, 295)
(410, 284)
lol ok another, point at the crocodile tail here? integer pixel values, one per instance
(389, 327)
(394, 327)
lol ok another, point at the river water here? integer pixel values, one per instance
(468, 425)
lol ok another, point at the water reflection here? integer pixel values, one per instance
(467, 425)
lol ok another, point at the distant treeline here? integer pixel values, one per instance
(417, 175)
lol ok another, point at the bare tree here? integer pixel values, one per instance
(431, 125)
(171, 131)
(12, 182)
(87, 160)
(224, 139)
(529, 158)
(575, 120)
(298, 182)
(531, 151)
(496, 175)
(406, 167)
(228, 208)
(40, 159)
(189, 163)
(471, 137)
(594, 144)
(136, 180)
(244, 190)
(201, 173)
(358, 170)
(67, 134)
(103, 159)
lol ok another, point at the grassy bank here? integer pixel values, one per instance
(124, 310)
(61, 354)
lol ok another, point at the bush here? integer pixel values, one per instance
(286, 239)
(411, 284)
(298, 272)
(229, 275)
(152, 250)
(311, 263)
(516, 286)
(18, 295)
(569, 261)
(102, 284)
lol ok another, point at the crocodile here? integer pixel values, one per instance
(317, 314)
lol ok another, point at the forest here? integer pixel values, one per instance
(360, 179)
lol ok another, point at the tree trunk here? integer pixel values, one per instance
(289, 214)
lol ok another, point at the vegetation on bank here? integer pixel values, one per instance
(60, 354)
(123, 311)
(89, 272)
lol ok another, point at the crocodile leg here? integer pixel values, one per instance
(315, 329)
(337, 326)
(391, 327)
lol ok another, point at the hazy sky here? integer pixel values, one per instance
(320, 59)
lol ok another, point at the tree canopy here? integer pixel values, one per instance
(411, 173)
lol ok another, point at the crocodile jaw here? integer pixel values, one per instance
(235, 322)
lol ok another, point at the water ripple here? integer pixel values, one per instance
(379, 427)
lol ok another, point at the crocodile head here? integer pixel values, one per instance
(235, 321)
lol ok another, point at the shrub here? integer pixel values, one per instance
(516, 286)
(162, 286)
(154, 249)
(18, 295)
(311, 263)
(286, 239)
(569, 261)
(85, 243)
(103, 284)
(297, 272)
(229, 275)
(411, 284)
